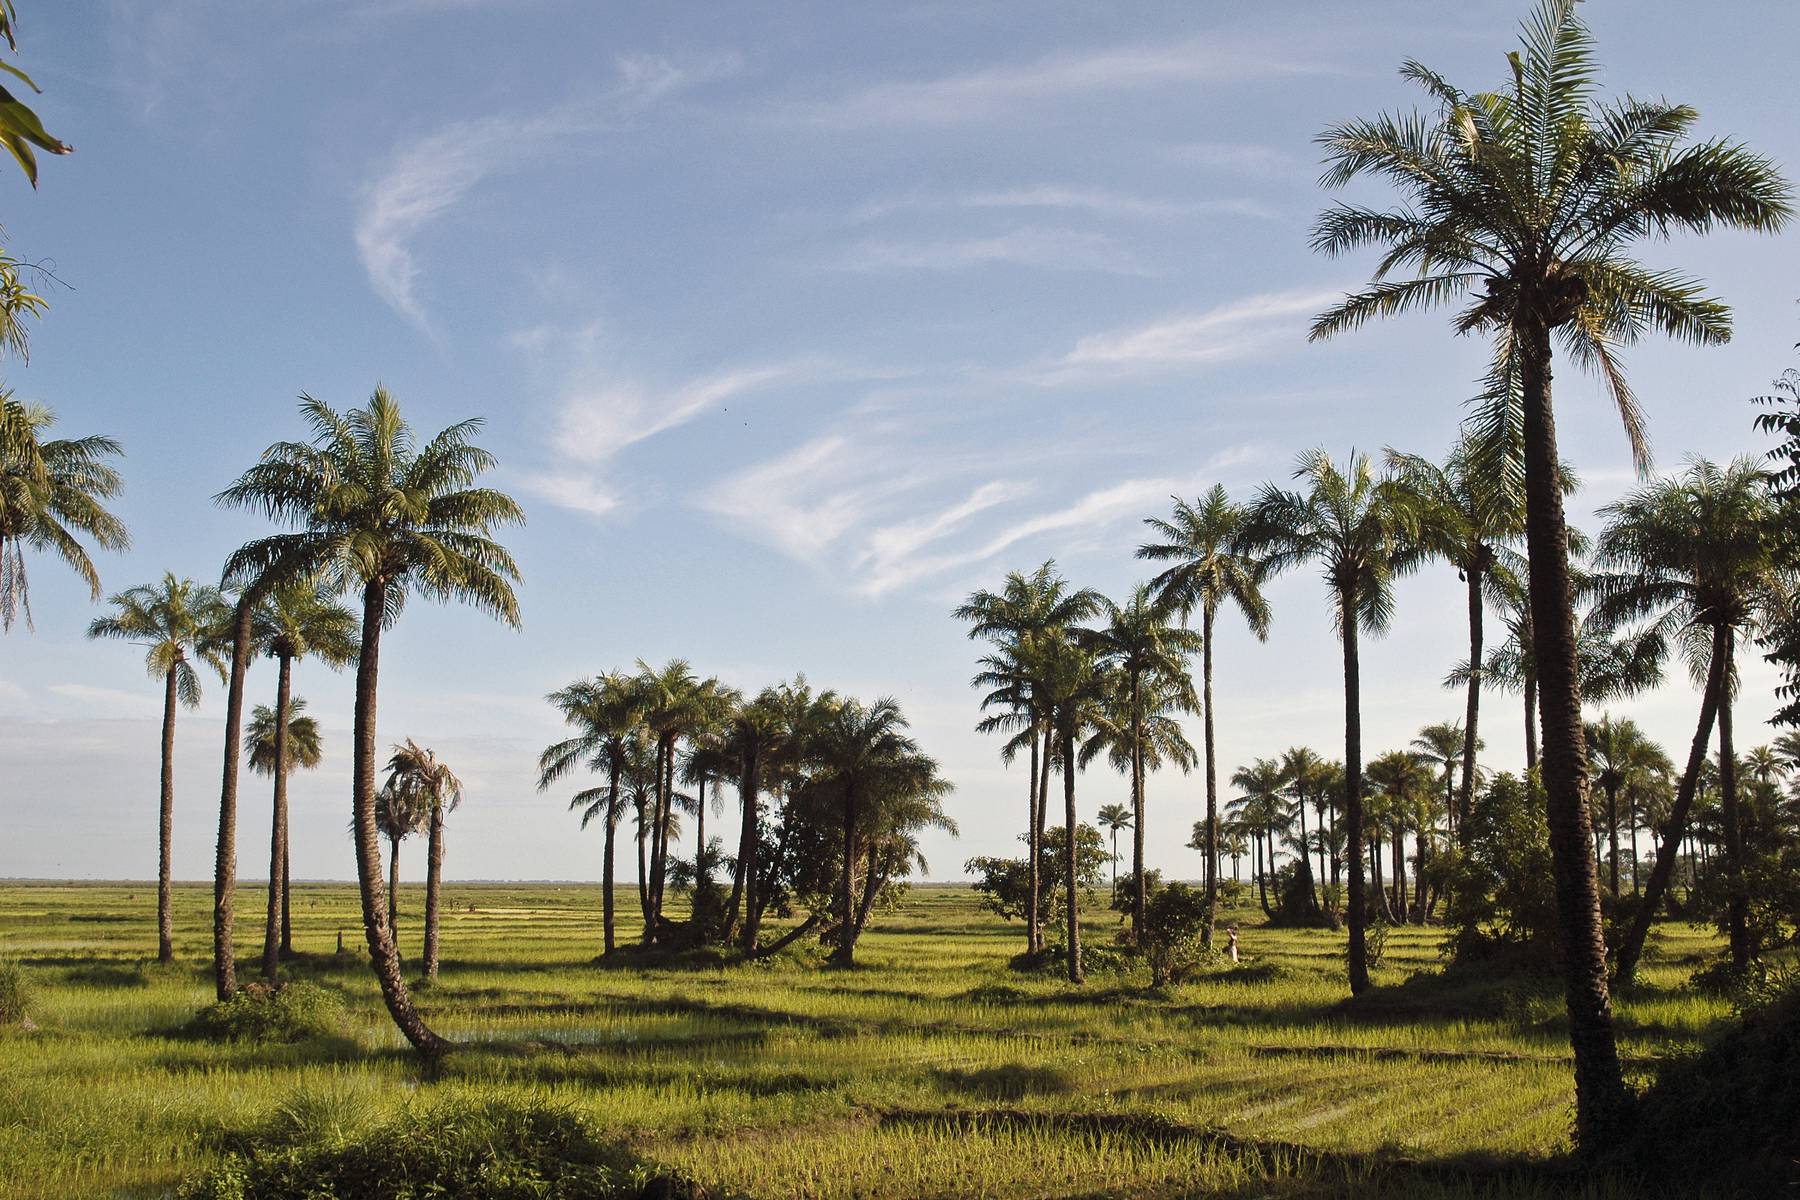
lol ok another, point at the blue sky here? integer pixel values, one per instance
(791, 325)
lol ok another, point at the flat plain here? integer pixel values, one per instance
(932, 1069)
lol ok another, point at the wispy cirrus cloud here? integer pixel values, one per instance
(426, 178)
(998, 90)
(1098, 201)
(1235, 158)
(1033, 246)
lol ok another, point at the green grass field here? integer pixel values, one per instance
(934, 1069)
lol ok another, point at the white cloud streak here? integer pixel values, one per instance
(1098, 201)
(1045, 248)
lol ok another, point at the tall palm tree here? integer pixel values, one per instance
(1138, 730)
(1523, 204)
(676, 704)
(1112, 818)
(51, 495)
(1023, 619)
(1073, 686)
(176, 621)
(1141, 642)
(295, 620)
(1307, 777)
(1362, 529)
(1210, 568)
(383, 513)
(1471, 506)
(1262, 810)
(906, 798)
(1445, 745)
(606, 714)
(1619, 754)
(1698, 555)
(279, 747)
(1402, 780)
(418, 771)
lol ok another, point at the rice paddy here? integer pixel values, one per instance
(932, 1069)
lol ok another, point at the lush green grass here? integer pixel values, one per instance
(933, 1069)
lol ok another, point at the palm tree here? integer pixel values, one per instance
(1261, 810)
(1470, 507)
(1211, 568)
(860, 751)
(278, 747)
(1306, 776)
(1524, 203)
(1445, 745)
(1073, 687)
(676, 705)
(1114, 817)
(606, 713)
(1362, 529)
(1024, 619)
(176, 621)
(400, 812)
(50, 495)
(1619, 755)
(380, 512)
(419, 772)
(1402, 780)
(1141, 643)
(906, 797)
(1697, 554)
(294, 621)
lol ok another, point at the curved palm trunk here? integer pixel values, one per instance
(1472, 710)
(271, 957)
(845, 954)
(434, 877)
(165, 917)
(607, 915)
(384, 956)
(1212, 774)
(1033, 801)
(1037, 835)
(225, 859)
(1353, 798)
(1138, 890)
(1073, 902)
(744, 882)
(1737, 906)
(1600, 1097)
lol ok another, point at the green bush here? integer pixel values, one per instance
(15, 993)
(289, 1012)
(496, 1151)
(1174, 928)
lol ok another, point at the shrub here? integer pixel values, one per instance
(1174, 928)
(15, 993)
(496, 1150)
(289, 1012)
(1502, 896)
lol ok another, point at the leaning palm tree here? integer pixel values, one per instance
(295, 621)
(1024, 619)
(279, 747)
(1523, 205)
(176, 621)
(1210, 568)
(420, 773)
(1698, 555)
(1112, 818)
(51, 494)
(1141, 643)
(605, 713)
(384, 514)
(1362, 530)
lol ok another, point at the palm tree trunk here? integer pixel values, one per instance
(1034, 801)
(287, 890)
(747, 838)
(1472, 710)
(225, 859)
(1262, 872)
(377, 929)
(1137, 813)
(393, 896)
(846, 947)
(1531, 722)
(1353, 799)
(1612, 834)
(1677, 827)
(1400, 870)
(643, 874)
(1602, 1105)
(271, 959)
(1420, 850)
(1737, 906)
(1037, 841)
(608, 931)
(434, 877)
(699, 827)
(165, 916)
(1073, 902)
(1212, 773)
(1305, 867)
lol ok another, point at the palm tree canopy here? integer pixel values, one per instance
(1114, 817)
(377, 508)
(400, 811)
(1522, 205)
(176, 621)
(299, 620)
(51, 494)
(305, 746)
(1205, 542)
(415, 770)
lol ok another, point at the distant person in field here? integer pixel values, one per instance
(1231, 948)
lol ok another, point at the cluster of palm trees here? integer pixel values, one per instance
(832, 795)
